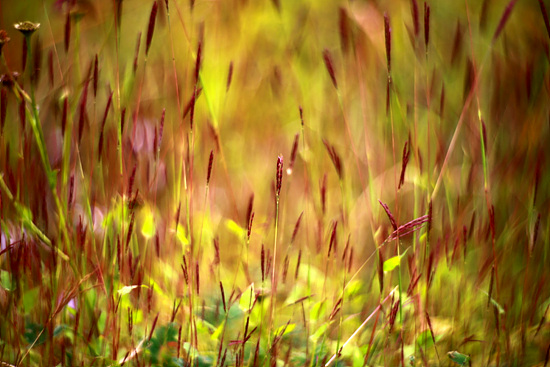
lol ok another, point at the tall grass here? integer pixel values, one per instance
(143, 222)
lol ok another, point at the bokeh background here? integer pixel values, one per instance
(451, 98)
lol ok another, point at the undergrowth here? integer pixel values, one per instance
(251, 183)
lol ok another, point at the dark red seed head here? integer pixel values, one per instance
(387, 32)
(210, 161)
(504, 19)
(426, 25)
(229, 76)
(414, 13)
(279, 176)
(330, 67)
(151, 27)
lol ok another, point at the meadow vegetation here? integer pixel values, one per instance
(274, 183)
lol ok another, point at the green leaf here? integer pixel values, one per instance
(319, 332)
(459, 358)
(284, 329)
(34, 334)
(317, 311)
(6, 280)
(393, 262)
(101, 321)
(246, 302)
(425, 340)
(30, 298)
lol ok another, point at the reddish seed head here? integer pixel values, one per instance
(414, 13)
(161, 127)
(279, 176)
(151, 27)
(82, 114)
(109, 101)
(293, 154)
(250, 226)
(138, 43)
(301, 115)
(344, 29)
(262, 262)
(198, 62)
(544, 16)
(323, 190)
(210, 161)
(249, 209)
(504, 19)
(296, 227)
(330, 67)
(298, 264)
(389, 214)
(405, 161)
(223, 296)
(229, 76)
(426, 25)
(387, 32)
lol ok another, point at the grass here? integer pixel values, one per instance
(246, 183)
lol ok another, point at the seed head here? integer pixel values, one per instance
(4, 38)
(387, 32)
(26, 28)
(279, 175)
(151, 27)
(210, 161)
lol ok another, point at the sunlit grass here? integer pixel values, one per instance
(246, 183)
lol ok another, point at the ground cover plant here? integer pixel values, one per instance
(271, 183)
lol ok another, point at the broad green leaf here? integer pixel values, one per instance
(30, 298)
(101, 321)
(35, 333)
(216, 334)
(317, 311)
(6, 281)
(459, 358)
(425, 340)
(320, 331)
(246, 302)
(284, 329)
(393, 262)
(148, 229)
